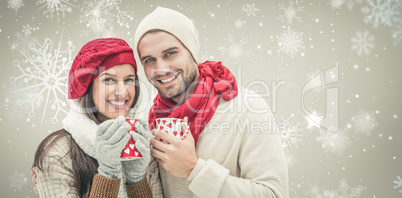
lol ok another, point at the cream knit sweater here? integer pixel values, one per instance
(57, 178)
(239, 156)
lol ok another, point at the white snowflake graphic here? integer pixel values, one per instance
(326, 138)
(99, 16)
(397, 30)
(363, 43)
(351, 3)
(250, 9)
(340, 142)
(336, 4)
(27, 29)
(17, 180)
(15, 4)
(364, 122)
(381, 12)
(398, 184)
(238, 23)
(290, 13)
(58, 7)
(290, 42)
(344, 191)
(44, 73)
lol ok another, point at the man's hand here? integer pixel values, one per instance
(177, 156)
(33, 174)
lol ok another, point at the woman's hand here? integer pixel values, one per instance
(134, 170)
(111, 138)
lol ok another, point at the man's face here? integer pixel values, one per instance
(168, 65)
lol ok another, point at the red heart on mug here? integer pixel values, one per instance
(174, 121)
(164, 122)
(161, 127)
(169, 125)
(175, 133)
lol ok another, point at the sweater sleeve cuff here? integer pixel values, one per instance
(104, 187)
(209, 180)
(140, 189)
(200, 164)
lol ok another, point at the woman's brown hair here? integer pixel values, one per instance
(84, 167)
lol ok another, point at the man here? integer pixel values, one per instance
(224, 155)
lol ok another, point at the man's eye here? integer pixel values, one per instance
(149, 60)
(170, 53)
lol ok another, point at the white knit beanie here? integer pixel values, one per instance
(172, 22)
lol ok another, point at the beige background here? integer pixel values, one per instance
(363, 157)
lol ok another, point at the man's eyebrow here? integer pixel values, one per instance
(172, 48)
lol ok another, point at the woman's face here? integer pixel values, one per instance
(113, 91)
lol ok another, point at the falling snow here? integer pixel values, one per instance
(364, 122)
(17, 180)
(15, 4)
(290, 42)
(52, 7)
(344, 191)
(381, 12)
(336, 4)
(290, 13)
(363, 43)
(250, 9)
(45, 69)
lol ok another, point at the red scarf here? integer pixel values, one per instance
(215, 81)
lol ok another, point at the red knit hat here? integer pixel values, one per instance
(95, 57)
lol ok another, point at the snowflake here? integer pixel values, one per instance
(46, 70)
(378, 12)
(326, 138)
(290, 42)
(290, 13)
(344, 191)
(291, 136)
(351, 3)
(397, 30)
(17, 180)
(398, 184)
(27, 29)
(339, 143)
(238, 23)
(58, 6)
(99, 15)
(15, 4)
(363, 43)
(364, 122)
(336, 4)
(250, 9)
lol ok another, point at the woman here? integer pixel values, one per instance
(83, 158)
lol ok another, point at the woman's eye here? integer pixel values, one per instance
(130, 80)
(107, 80)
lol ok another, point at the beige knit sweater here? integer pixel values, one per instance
(239, 155)
(57, 178)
